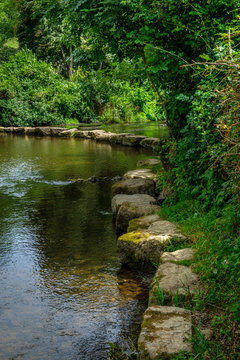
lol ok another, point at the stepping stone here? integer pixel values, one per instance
(143, 222)
(150, 142)
(118, 138)
(137, 200)
(57, 130)
(148, 162)
(132, 140)
(140, 174)
(18, 130)
(173, 279)
(140, 249)
(178, 255)
(164, 227)
(128, 207)
(134, 186)
(165, 331)
(69, 132)
(81, 134)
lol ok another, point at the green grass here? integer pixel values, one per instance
(215, 235)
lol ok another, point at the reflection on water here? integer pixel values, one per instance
(63, 295)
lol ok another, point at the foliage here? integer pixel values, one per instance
(33, 93)
(8, 20)
(165, 35)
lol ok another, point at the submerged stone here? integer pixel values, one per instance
(165, 331)
(173, 280)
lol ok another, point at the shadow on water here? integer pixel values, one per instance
(63, 293)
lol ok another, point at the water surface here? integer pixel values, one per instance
(63, 295)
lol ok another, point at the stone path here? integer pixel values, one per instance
(98, 135)
(165, 330)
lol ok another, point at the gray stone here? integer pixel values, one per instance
(137, 200)
(29, 130)
(178, 255)
(173, 279)
(142, 222)
(141, 248)
(148, 162)
(43, 131)
(134, 186)
(117, 138)
(69, 132)
(2, 129)
(103, 136)
(132, 140)
(81, 134)
(128, 207)
(165, 331)
(150, 142)
(140, 174)
(9, 129)
(18, 130)
(164, 227)
(129, 211)
(55, 131)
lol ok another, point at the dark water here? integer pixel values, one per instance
(61, 293)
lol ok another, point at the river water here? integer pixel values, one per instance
(62, 293)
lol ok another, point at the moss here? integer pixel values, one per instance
(133, 225)
(134, 236)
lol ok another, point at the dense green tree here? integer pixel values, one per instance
(8, 20)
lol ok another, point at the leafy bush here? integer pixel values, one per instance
(33, 93)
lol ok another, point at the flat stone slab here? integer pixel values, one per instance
(143, 222)
(164, 227)
(148, 162)
(173, 279)
(140, 174)
(69, 132)
(178, 255)
(165, 331)
(118, 138)
(137, 200)
(134, 186)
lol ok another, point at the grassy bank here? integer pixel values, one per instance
(215, 235)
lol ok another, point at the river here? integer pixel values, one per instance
(63, 293)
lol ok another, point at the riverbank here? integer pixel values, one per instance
(217, 261)
(213, 304)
